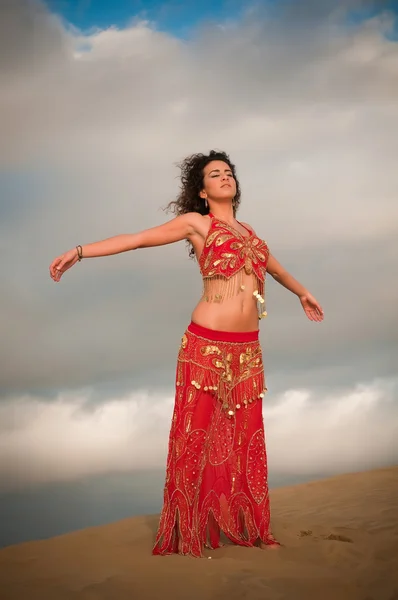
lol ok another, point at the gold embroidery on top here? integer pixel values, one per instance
(218, 285)
(221, 239)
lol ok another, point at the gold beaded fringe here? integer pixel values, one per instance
(232, 396)
(218, 288)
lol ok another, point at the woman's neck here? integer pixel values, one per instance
(224, 214)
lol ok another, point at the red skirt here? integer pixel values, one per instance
(216, 476)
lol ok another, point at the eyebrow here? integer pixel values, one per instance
(218, 171)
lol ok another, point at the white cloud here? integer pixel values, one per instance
(60, 440)
(335, 433)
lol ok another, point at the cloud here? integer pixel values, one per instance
(334, 433)
(306, 433)
(45, 441)
(32, 42)
(92, 126)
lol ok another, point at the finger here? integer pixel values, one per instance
(315, 306)
(52, 272)
(56, 261)
(55, 274)
(58, 272)
(317, 313)
(54, 265)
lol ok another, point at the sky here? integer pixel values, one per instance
(176, 16)
(98, 102)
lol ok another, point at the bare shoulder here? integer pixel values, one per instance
(199, 224)
(248, 226)
(197, 218)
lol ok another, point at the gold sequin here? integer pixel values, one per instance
(206, 350)
(221, 239)
(221, 280)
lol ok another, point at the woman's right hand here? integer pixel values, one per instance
(63, 263)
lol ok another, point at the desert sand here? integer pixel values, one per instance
(339, 542)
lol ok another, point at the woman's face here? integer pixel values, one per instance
(218, 181)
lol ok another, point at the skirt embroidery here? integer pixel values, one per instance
(216, 474)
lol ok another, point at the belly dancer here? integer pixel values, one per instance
(216, 473)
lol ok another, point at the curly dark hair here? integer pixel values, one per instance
(188, 199)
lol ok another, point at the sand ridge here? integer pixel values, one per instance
(339, 536)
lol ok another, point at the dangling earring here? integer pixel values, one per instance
(206, 203)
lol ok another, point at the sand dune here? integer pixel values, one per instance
(339, 536)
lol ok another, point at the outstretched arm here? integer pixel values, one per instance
(311, 307)
(279, 273)
(180, 228)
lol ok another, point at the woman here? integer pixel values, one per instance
(216, 476)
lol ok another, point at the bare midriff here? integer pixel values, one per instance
(236, 313)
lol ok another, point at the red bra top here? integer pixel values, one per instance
(226, 251)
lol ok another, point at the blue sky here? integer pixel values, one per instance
(177, 16)
(180, 17)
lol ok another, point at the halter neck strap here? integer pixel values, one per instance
(241, 224)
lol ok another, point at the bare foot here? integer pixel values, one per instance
(272, 543)
(220, 545)
(264, 546)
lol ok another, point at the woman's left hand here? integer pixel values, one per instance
(312, 309)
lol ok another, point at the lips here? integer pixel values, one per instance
(226, 185)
